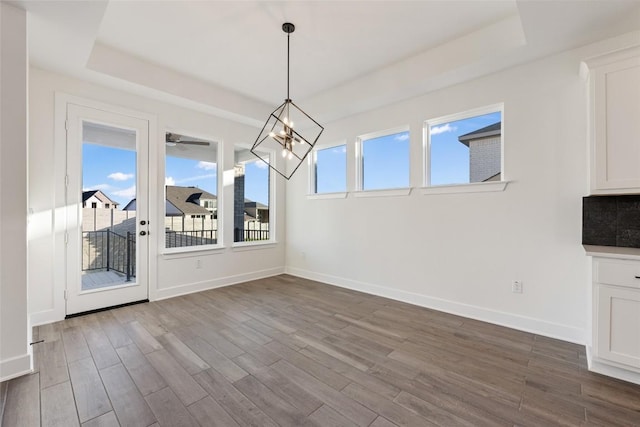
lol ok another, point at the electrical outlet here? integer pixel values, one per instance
(516, 287)
(198, 263)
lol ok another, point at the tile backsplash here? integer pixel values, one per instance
(611, 221)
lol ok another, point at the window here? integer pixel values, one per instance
(383, 160)
(94, 205)
(191, 179)
(465, 148)
(106, 205)
(329, 170)
(251, 190)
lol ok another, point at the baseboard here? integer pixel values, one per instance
(44, 317)
(49, 316)
(613, 371)
(189, 288)
(15, 367)
(510, 320)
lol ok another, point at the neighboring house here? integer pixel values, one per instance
(186, 201)
(485, 158)
(190, 201)
(98, 200)
(255, 211)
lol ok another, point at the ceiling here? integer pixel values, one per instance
(229, 57)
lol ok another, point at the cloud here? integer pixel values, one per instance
(103, 187)
(194, 178)
(402, 137)
(208, 166)
(341, 149)
(169, 181)
(127, 193)
(119, 176)
(435, 130)
(261, 165)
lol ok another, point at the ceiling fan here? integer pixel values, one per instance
(173, 139)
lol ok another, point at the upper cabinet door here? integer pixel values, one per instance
(615, 122)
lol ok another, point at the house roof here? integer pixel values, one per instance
(187, 199)
(494, 129)
(99, 194)
(251, 204)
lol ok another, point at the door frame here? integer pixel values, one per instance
(62, 211)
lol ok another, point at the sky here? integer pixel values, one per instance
(331, 170)
(385, 162)
(386, 159)
(450, 157)
(386, 165)
(113, 170)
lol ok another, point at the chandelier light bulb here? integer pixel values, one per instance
(290, 155)
(284, 152)
(271, 134)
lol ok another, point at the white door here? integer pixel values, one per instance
(107, 209)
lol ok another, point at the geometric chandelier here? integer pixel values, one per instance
(288, 130)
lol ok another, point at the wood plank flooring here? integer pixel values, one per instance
(286, 351)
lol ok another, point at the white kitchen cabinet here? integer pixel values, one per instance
(614, 117)
(618, 334)
(616, 317)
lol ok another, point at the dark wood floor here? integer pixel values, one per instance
(291, 352)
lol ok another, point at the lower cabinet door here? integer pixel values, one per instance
(618, 324)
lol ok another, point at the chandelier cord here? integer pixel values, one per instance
(288, 37)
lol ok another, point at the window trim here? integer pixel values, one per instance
(272, 208)
(472, 187)
(175, 252)
(312, 164)
(426, 148)
(359, 167)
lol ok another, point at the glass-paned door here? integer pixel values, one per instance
(107, 221)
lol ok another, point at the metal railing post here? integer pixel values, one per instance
(128, 257)
(108, 248)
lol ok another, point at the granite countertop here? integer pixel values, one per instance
(612, 252)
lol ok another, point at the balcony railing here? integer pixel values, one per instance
(176, 239)
(248, 235)
(106, 250)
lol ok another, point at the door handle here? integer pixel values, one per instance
(143, 233)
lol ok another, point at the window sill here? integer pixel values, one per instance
(327, 196)
(383, 193)
(185, 252)
(250, 246)
(476, 187)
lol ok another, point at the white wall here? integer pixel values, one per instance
(174, 274)
(15, 334)
(460, 252)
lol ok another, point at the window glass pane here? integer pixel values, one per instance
(467, 150)
(109, 172)
(251, 197)
(331, 170)
(385, 162)
(191, 188)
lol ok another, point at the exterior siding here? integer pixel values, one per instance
(485, 159)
